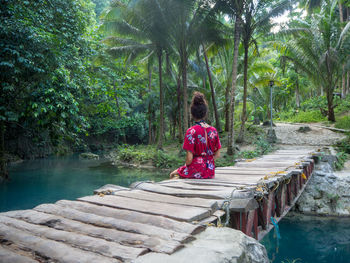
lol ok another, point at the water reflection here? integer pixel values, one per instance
(51, 179)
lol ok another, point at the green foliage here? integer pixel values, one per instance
(164, 160)
(129, 154)
(342, 157)
(149, 155)
(302, 116)
(343, 123)
(43, 49)
(344, 145)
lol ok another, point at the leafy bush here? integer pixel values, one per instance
(341, 159)
(343, 123)
(344, 145)
(130, 154)
(308, 116)
(163, 160)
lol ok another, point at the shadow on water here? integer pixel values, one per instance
(310, 239)
(51, 179)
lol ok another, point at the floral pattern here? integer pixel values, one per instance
(203, 165)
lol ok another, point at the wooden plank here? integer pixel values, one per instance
(110, 222)
(132, 216)
(157, 188)
(148, 196)
(184, 185)
(52, 250)
(125, 238)
(178, 212)
(214, 182)
(9, 256)
(87, 243)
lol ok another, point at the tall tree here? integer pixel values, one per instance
(144, 27)
(256, 20)
(319, 48)
(233, 8)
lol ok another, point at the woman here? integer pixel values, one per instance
(201, 143)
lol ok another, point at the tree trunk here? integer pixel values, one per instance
(3, 168)
(149, 107)
(184, 91)
(297, 93)
(227, 104)
(322, 91)
(240, 138)
(348, 83)
(231, 133)
(161, 103)
(217, 119)
(343, 82)
(331, 116)
(118, 108)
(178, 93)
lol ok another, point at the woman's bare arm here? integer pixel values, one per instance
(217, 154)
(189, 157)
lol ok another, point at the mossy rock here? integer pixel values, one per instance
(89, 156)
(304, 129)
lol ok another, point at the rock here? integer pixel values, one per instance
(327, 193)
(214, 245)
(304, 129)
(89, 156)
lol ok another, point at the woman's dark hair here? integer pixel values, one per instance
(199, 106)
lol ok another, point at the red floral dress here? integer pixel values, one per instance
(203, 165)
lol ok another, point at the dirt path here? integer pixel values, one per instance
(288, 135)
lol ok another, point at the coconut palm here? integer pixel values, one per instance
(139, 28)
(320, 48)
(255, 23)
(233, 8)
(191, 20)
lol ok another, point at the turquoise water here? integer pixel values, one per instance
(51, 179)
(310, 240)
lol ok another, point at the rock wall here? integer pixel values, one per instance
(214, 245)
(328, 192)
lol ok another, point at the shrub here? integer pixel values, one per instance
(130, 154)
(308, 116)
(343, 123)
(344, 145)
(163, 160)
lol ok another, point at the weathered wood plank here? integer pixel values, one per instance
(214, 182)
(184, 185)
(87, 243)
(125, 238)
(157, 188)
(8, 256)
(110, 222)
(178, 212)
(148, 196)
(57, 251)
(132, 216)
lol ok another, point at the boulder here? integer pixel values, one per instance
(214, 245)
(327, 193)
(89, 156)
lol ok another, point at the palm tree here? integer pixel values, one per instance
(139, 28)
(320, 49)
(233, 8)
(255, 19)
(190, 21)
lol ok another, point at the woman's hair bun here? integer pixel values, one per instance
(198, 98)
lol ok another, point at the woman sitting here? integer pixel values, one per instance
(201, 143)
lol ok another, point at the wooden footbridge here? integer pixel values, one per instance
(120, 224)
